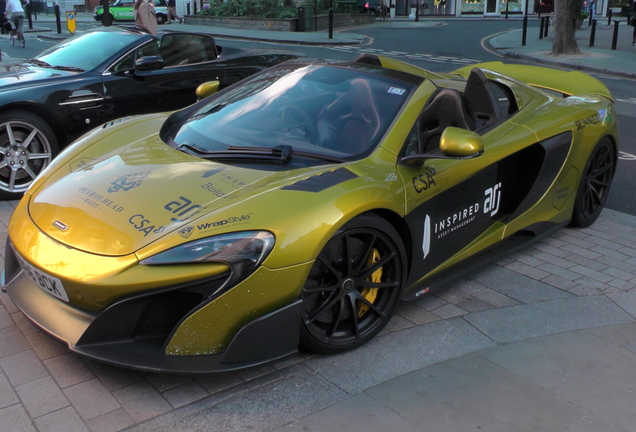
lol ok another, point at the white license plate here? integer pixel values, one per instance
(48, 283)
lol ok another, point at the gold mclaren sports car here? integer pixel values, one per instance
(297, 207)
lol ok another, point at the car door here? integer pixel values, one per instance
(189, 60)
(457, 207)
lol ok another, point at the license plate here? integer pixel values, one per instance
(48, 283)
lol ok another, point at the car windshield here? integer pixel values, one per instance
(87, 50)
(330, 110)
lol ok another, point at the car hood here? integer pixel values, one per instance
(25, 74)
(124, 201)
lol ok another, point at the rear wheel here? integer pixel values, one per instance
(27, 146)
(595, 184)
(161, 19)
(353, 287)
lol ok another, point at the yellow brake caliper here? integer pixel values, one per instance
(370, 293)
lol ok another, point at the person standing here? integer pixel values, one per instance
(172, 12)
(145, 16)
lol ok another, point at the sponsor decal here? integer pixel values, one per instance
(128, 182)
(183, 209)
(425, 181)
(243, 219)
(78, 164)
(143, 225)
(391, 178)
(396, 91)
(97, 200)
(210, 173)
(587, 121)
(493, 197)
(213, 190)
(231, 180)
(460, 218)
(186, 232)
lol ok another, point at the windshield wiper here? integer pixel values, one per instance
(68, 68)
(38, 63)
(278, 154)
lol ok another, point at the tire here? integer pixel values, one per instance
(161, 19)
(22, 161)
(353, 287)
(595, 184)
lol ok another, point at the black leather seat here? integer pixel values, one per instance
(481, 102)
(447, 108)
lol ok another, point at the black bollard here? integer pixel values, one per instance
(29, 17)
(541, 28)
(188, 8)
(593, 33)
(609, 16)
(57, 19)
(547, 25)
(330, 23)
(525, 30)
(195, 8)
(615, 36)
(417, 11)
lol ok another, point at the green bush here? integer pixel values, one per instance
(267, 8)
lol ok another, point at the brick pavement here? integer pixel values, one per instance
(44, 387)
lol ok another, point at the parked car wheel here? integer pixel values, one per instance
(595, 185)
(161, 19)
(27, 146)
(353, 287)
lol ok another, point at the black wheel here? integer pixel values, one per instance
(595, 184)
(161, 19)
(12, 37)
(353, 287)
(296, 119)
(27, 146)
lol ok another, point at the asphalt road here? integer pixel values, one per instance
(439, 48)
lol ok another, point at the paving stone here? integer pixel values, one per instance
(113, 377)
(8, 303)
(556, 261)
(470, 394)
(550, 249)
(112, 421)
(41, 396)
(581, 252)
(619, 265)
(23, 367)
(460, 290)
(163, 382)
(596, 275)
(621, 285)
(7, 395)
(527, 270)
(576, 242)
(398, 323)
(591, 263)
(604, 245)
(619, 274)
(475, 305)
(559, 282)
(216, 383)
(15, 419)
(12, 341)
(417, 315)
(65, 420)
(600, 234)
(429, 302)
(25, 325)
(5, 319)
(449, 311)
(356, 414)
(628, 251)
(291, 361)
(592, 283)
(496, 299)
(627, 301)
(141, 401)
(517, 286)
(254, 373)
(91, 399)
(581, 291)
(528, 321)
(45, 346)
(185, 394)
(532, 261)
(68, 370)
(610, 253)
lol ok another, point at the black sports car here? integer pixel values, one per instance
(48, 101)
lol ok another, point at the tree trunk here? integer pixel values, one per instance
(564, 32)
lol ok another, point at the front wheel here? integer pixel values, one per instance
(353, 287)
(161, 18)
(27, 146)
(595, 184)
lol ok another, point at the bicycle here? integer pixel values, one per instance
(15, 34)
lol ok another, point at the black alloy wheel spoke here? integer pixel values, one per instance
(355, 327)
(371, 306)
(375, 266)
(332, 300)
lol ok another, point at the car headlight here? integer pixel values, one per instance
(242, 251)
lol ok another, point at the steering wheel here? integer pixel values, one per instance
(295, 118)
